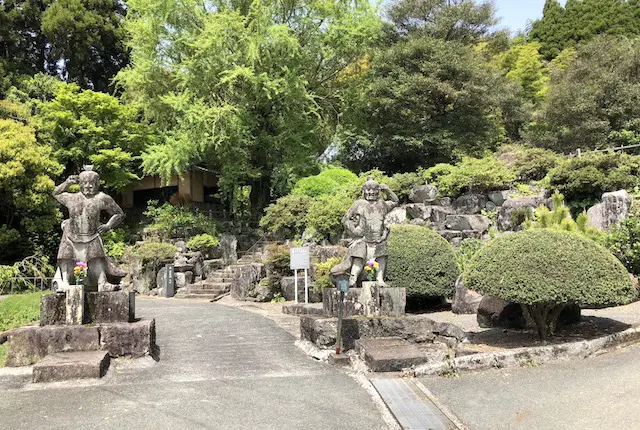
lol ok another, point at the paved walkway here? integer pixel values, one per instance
(595, 393)
(220, 368)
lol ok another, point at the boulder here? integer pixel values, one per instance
(439, 214)
(418, 221)
(418, 211)
(465, 301)
(442, 201)
(396, 216)
(512, 206)
(262, 293)
(229, 249)
(161, 278)
(498, 197)
(414, 328)
(467, 222)
(325, 252)
(423, 193)
(246, 280)
(129, 339)
(197, 261)
(613, 209)
(495, 312)
(490, 206)
(470, 204)
(287, 288)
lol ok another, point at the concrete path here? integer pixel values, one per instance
(595, 393)
(220, 368)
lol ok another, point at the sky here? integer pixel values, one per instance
(515, 13)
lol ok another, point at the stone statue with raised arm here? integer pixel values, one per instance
(81, 239)
(365, 222)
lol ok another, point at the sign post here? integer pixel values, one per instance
(300, 260)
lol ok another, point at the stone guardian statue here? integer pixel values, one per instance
(364, 221)
(81, 239)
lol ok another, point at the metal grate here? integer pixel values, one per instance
(410, 406)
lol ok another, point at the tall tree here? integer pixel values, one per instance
(247, 88)
(459, 20)
(23, 47)
(428, 96)
(28, 212)
(87, 40)
(594, 99)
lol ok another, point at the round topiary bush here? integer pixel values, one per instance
(544, 270)
(422, 261)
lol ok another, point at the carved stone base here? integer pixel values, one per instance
(96, 307)
(370, 300)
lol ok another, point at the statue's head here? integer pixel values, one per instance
(371, 190)
(89, 182)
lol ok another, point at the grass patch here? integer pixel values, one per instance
(19, 310)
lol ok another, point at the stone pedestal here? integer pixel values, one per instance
(370, 300)
(95, 307)
(74, 305)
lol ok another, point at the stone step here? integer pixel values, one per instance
(390, 354)
(198, 296)
(63, 366)
(220, 278)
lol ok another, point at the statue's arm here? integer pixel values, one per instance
(393, 200)
(59, 192)
(116, 212)
(351, 221)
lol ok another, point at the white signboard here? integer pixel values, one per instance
(299, 258)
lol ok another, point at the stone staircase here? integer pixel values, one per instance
(219, 282)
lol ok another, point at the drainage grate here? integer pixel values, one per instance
(410, 406)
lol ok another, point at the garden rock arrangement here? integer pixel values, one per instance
(455, 219)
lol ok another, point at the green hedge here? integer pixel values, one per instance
(545, 269)
(422, 261)
(550, 266)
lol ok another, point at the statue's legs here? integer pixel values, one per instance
(356, 269)
(97, 273)
(382, 265)
(66, 270)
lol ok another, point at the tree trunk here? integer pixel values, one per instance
(544, 317)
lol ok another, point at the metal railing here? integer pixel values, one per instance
(22, 283)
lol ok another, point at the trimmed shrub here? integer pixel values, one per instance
(546, 269)
(325, 214)
(204, 243)
(474, 175)
(328, 182)
(278, 263)
(422, 261)
(286, 217)
(152, 251)
(584, 179)
(179, 221)
(403, 183)
(533, 164)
